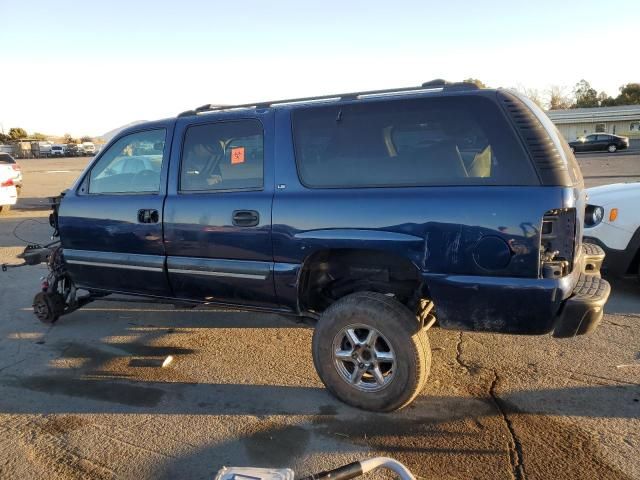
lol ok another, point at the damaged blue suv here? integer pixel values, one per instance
(377, 214)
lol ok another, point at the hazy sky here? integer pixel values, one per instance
(86, 67)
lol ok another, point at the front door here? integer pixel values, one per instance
(111, 221)
(217, 226)
(591, 143)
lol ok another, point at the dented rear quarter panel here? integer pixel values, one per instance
(438, 229)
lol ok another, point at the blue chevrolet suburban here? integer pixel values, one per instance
(377, 214)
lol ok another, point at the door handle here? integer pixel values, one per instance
(148, 215)
(245, 218)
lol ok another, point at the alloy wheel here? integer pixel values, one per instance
(364, 358)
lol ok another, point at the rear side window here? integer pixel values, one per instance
(410, 142)
(222, 156)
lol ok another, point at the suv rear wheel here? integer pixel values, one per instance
(370, 351)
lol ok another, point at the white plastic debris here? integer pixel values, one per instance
(167, 361)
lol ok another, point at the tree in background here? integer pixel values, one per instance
(558, 99)
(475, 81)
(39, 136)
(17, 133)
(532, 93)
(586, 96)
(86, 139)
(4, 138)
(605, 100)
(629, 94)
(69, 139)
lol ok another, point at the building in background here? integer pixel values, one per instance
(578, 122)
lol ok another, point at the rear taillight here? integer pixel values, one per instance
(8, 183)
(557, 242)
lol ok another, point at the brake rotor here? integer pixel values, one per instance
(48, 307)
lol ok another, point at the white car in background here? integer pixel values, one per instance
(88, 148)
(8, 192)
(58, 151)
(612, 221)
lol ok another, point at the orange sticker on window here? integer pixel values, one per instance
(237, 155)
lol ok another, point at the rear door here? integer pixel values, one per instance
(111, 222)
(218, 211)
(603, 142)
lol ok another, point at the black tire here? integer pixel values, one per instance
(398, 327)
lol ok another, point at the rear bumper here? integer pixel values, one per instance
(583, 311)
(567, 306)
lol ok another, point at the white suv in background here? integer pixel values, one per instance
(8, 193)
(88, 148)
(58, 151)
(612, 221)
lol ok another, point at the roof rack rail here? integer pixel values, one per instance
(437, 84)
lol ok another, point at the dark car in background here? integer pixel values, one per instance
(600, 142)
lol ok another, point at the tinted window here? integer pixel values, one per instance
(6, 158)
(427, 141)
(131, 165)
(604, 138)
(222, 156)
(591, 138)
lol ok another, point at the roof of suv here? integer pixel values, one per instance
(432, 86)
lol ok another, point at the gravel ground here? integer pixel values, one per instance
(88, 397)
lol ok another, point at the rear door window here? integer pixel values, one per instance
(410, 142)
(222, 156)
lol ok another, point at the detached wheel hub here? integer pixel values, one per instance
(48, 307)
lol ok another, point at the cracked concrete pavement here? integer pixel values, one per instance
(87, 398)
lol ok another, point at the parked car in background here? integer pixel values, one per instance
(600, 142)
(88, 148)
(6, 159)
(8, 192)
(612, 221)
(41, 149)
(72, 150)
(58, 151)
